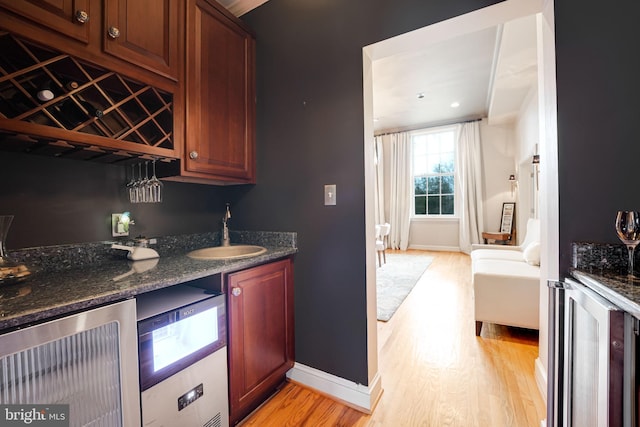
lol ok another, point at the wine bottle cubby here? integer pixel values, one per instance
(70, 105)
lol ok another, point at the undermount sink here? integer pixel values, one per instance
(227, 252)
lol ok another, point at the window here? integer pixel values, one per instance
(433, 158)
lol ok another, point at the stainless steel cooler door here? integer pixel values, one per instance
(88, 361)
(593, 359)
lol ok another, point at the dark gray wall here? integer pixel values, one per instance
(310, 133)
(57, 201)
(598, 80)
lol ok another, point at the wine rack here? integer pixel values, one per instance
(69, 105)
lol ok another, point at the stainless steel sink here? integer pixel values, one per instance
(227, 252)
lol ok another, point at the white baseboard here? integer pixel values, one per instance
(540, 375)
(361, 397)
(435, 248)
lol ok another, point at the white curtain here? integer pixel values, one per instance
(469, 178)
(400, 192)
(379, 190)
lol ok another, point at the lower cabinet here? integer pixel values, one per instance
(260, 345)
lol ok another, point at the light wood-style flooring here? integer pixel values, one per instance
(435, 371)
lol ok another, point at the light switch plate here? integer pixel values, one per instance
(330, 195)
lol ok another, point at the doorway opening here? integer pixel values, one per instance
(547, 141)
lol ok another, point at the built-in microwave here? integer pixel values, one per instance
(177, 327)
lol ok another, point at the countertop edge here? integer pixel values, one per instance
(620, 295)
(42, 313)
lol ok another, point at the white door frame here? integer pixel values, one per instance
(471, 22)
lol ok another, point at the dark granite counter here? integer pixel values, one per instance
(602, 267)
(71, 278)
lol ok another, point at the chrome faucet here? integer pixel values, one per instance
(225, 230)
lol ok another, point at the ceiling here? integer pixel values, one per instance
(240, 7)
(489, 73)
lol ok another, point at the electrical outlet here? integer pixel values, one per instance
(118, 227)
(330, 195)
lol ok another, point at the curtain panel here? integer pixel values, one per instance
(469, 179)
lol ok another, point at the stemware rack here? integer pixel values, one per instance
(61, 105)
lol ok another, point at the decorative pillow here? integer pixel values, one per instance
(531, 253)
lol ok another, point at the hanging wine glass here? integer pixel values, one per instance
(144, 184)
(628, 230)
(137, 186)
(155, 185)
(131, 185)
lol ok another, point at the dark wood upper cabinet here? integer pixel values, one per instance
(144, 32)
(140, 33)
(70, 18)
(174, 78)
(220, 94)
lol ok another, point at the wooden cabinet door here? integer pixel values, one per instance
(144, 32)
(261, 348)
(220, 78)
(71, 18)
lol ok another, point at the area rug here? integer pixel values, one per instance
(395, 279)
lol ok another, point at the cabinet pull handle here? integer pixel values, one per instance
(82, 16)
(114, 32)
(236, 292)
(193, 155)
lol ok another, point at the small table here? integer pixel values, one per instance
(505, 238)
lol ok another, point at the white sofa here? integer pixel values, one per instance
(506, 282)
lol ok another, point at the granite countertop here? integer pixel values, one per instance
(603, 267)
(619, 289)
(94, 274)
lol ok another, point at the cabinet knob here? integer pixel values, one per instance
(236, 292)
(193, 155)
(114, 32)
(82, 16)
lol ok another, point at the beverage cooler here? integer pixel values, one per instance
(87, 361)
(593, 355)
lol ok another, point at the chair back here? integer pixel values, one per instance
(532, 233)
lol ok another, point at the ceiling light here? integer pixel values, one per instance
(375, 119)
(455, 104)
(420, 95)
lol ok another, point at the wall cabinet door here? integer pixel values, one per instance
(144, 32)
(261, 347)
(71, 18)
(220, 116)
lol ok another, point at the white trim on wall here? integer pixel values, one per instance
(358, 396)
(435, 248)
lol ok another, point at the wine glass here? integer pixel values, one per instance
(628, 229)
(144, 184)
(138, 189)
(156, 185)
(131, 185)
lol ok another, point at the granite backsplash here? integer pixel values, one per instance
(72, 256)
(599, 258)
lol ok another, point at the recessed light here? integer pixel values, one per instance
(420, 95)
(455, 104)
(375, 119)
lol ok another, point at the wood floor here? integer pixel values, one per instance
(435, 371)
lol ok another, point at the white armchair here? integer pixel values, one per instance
(506, 282)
